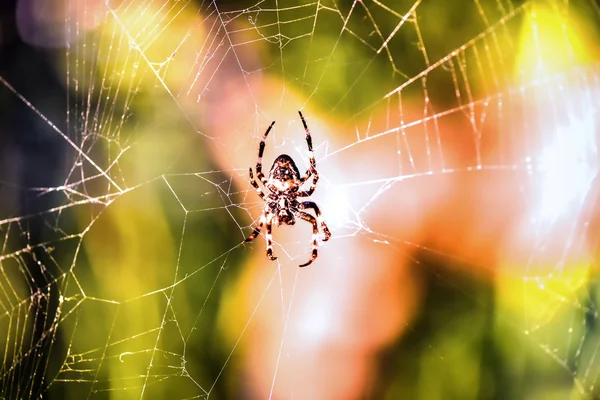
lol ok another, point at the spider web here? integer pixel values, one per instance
(457, 154)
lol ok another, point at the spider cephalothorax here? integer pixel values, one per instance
(283, 189)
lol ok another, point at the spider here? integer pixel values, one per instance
(281, 197)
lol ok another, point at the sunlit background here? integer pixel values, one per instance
(457, 150)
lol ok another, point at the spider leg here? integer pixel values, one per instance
(313, 163)
(270, 241)
(255, 184)
(309, 218)
(313, 186)
(308, 137)
(257, 228)
(326, 234)
(261, 150)
(310, 171)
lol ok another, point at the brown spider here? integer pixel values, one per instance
(283, 189)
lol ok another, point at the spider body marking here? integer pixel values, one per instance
(283, 188)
